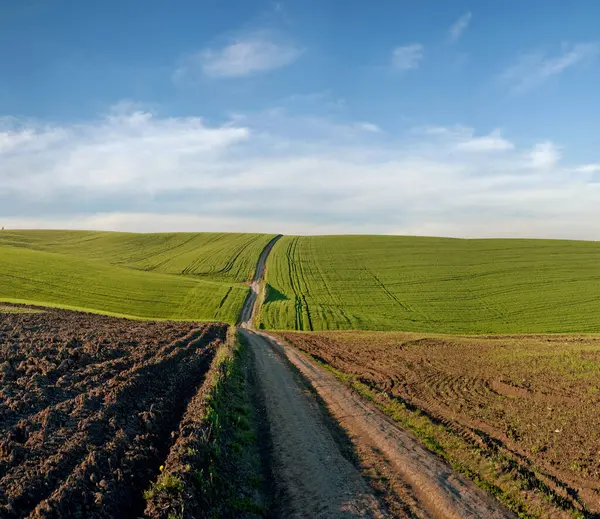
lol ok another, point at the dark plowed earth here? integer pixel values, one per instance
(87, 408)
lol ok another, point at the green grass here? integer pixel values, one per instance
(327, 282)
(186, 276)
(216, 256)
(433, 285)
(50, 279)
(167, 483)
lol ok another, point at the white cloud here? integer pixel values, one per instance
(120, 151)
(588, 168)
(545, 155)
(407, 57)
(444, 131)
(16, 134)
(368, 127)
(459, 27)
(276, 173)
(11, 140)
(533, 69)
(245, 56)
(492, 142)
(464, 139)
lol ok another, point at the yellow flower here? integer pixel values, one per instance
(161, 468)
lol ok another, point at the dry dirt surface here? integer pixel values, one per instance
(88, 405)
(528, 406)
(312, 477)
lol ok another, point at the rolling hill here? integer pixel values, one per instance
(217, 256)
(195, 276)
(432, 285)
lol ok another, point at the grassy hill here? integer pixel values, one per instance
(196, 276)
(218, 256)
(322, 282)
(433, 285)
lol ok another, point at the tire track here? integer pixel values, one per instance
(438, 491)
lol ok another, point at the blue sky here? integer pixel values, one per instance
(301, 116)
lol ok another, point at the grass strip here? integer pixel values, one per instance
(214, 469)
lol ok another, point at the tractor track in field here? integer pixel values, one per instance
(314, 470)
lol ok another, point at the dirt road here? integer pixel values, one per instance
(312, 474)
(437, 491)
(247, 312)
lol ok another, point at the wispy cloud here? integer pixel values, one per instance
(408, 56)
(533, 69)
(464, 138)
(251, 54)
(459, 27)
(486, 143)
(324, 98)
(588, 168)
(545, 155)
(368, 127)
(274, 172)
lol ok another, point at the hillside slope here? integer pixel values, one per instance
(218, 256)
(195, 276)
(433, 285)
(58, 280)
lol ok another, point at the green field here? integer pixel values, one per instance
(216, 256)
(196, 276)
(433, 285)
(313, 283)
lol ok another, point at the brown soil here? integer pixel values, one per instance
(214, 468)
(529, 401)
(87, 407)
(190, 450)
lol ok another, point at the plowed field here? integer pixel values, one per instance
(88, 405)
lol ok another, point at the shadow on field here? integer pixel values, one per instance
(273, 295)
